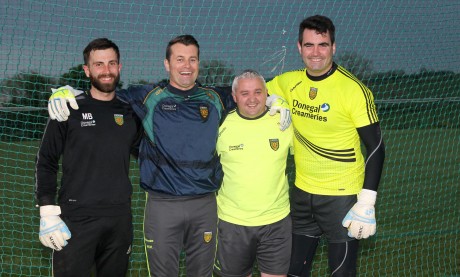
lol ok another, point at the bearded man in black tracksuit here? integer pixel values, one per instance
(91, 223)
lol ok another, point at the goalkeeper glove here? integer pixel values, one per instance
(53, 231)
(57, 106)
(278, 104)
(360, 220)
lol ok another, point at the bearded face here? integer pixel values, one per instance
(103, 70)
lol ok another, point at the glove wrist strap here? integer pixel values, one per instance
(50, 210)
(367, 197)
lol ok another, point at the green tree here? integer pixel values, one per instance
(75, 78)
(27, 89)
(24, 96)
(215, 73)
(139, 82)
(356, 64)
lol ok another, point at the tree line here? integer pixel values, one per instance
(32, 89)
(396, 93)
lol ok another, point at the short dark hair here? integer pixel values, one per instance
(183, 39)
(319, 23)
(99, 44)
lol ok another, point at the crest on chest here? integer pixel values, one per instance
(313, 93)
(119, 119)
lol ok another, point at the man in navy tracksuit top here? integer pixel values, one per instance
(179, 165)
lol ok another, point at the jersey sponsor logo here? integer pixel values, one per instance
(313, 92)
(309, 111)
(118, 119)
(207, 237)
(169, 107)
(204, 112)
(274, 144)
(88, 123)
(236, 147)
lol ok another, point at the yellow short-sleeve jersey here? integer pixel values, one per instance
(253, 154)
(325, 114)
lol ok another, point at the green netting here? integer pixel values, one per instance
(406, 51)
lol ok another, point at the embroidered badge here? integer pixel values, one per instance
(313, 92)
(118, 119)
(207, 237)
(204, 112)
(274, 144)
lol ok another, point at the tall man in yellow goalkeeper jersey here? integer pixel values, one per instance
(335, 188)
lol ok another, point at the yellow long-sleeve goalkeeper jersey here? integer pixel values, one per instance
(326, 111)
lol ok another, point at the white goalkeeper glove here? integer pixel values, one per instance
(53, 231)
(57, 103)
(360, 220)
(278, 104)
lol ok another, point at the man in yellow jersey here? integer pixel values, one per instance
(253, 201)
(336, 187)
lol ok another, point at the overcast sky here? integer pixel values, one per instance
(49, 36)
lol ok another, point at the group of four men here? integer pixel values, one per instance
(214, 174)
